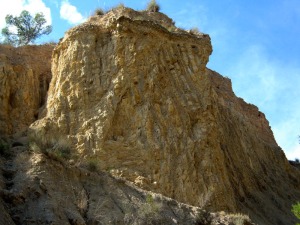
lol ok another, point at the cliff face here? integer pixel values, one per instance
(25, 74)
(139, 99)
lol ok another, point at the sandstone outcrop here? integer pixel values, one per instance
(25, 74)
(135, 94)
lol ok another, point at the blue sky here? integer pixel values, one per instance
(256, 44)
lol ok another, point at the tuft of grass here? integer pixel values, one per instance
(55, 146)
(92, 165)
(153, 6)
(120, 6)
(239, 219)
(194, 31)
(99, 12)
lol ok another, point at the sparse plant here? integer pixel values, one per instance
(99, 12)
(54, 146)
(153, 6)
(52, 43)
(203, 217)
(92, 165)
(4, 148)
(239, 219)
(120, 6)
(296, 210)
(147, 213)
(297, 160)
(194, 31)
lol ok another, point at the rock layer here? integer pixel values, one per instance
(138, 97)
(25, 74)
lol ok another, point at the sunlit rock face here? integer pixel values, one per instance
(25, 74)
(133, 91)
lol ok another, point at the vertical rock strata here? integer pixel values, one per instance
(139, 98)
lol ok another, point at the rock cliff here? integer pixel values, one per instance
(25, 74)
(135, 94)
(132, 91)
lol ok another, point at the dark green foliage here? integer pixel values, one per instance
(153, 6)
(296, 210)
(4, 148)
(26, 28)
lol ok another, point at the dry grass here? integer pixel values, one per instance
(55, 146)
(194, 31)
(153, 6)
(239, 219)
(92, 165)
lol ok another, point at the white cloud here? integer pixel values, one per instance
(70, 13)
(15, 7)
(274, 88)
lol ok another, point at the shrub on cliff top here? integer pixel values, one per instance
(99, 12)
(153, 6)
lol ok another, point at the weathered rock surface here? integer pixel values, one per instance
(25, 74)
(46, 191)
(139, 99)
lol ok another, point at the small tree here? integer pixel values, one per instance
(153, 6)
(24, 29)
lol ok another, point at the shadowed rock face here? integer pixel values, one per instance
(139, 99)
(25, 74)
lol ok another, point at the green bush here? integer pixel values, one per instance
(296, 210)
(153, 6)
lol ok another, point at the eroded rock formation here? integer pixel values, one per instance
(25, 74)
(135, 94)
